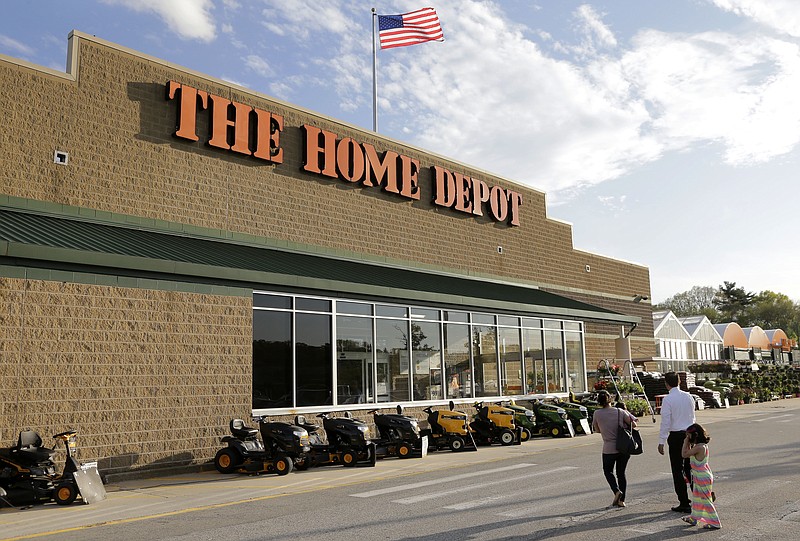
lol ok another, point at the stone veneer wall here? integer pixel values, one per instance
(146, 377)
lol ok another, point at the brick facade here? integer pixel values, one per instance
(172, 352)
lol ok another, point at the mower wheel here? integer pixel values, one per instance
(525, 435)
(373, 455)
(65, 493)
(404, 450)
(227, 460)
(349, 458)
(555, 431)
(283, 465)
(302, 464)
(506, 437)
(456, 443)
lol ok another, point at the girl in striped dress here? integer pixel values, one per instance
(695, 448)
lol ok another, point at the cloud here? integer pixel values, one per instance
(190, 19)
(14, 45)
(781, 15)
(258, 65)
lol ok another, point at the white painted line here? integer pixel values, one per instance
(412, 486)
(484, 501)
(772, 418)
(466, 488)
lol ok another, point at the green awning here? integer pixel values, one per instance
(33, 239)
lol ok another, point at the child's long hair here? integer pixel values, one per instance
(698, 434)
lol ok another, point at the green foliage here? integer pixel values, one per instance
(637, 406)
(732, 301)
(696, 301)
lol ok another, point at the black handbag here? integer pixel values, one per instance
(629, 441)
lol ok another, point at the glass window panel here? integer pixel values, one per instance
(510, 362)
(532, 322)
(312, 305)
(554, 362)
(272, 359)
(456, 317)
(425, 313)
(551, 324)
(456, 359)
(575, 367)
(391, 311)
(354, 360)
(313, 358)
(534, 360)
(426, 356)
(484, 360)
(261, 300)
(508, 321)
(392, 360)
(357, 308)
(572, 325)
(483, 319)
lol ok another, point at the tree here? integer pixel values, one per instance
(771, 310)
(732, 301)
(697, 301)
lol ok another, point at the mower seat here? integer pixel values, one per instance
(242, 431)
(29, 449)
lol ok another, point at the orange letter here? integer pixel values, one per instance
(514, 200)
(220, 123)
(409, 177)
(320, 146)
(480, 195)
(377, 170)
(187, 112)
(268, 128)
(350, 159)
(444, 194)
(463, 201)
(498, 202)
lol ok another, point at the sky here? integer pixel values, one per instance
(666, 132)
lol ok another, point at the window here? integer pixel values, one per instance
(394, 378)
(426, 359)
(458, 372)
(510, 361)
(313, 360)
(310, 352)
(354, 367)
(484, 358)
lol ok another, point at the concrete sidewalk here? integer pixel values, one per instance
(151, 498)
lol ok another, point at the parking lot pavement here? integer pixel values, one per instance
(143, 499)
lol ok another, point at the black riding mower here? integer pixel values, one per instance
(282, 446)
(345, 441)
(398, 435)
(28, 474)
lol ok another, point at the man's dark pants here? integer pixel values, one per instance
(681, 469)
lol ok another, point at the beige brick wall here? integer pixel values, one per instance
(145, 377)
(117, 126)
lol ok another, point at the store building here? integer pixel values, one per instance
(176, 250)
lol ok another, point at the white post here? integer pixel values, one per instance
(374, 76)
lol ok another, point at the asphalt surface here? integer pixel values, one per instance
(188, 497)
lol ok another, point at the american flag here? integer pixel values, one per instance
(409, 28)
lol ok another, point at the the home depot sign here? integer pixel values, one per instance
(247, 130)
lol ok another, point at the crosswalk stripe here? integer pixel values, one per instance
(421, 484)
(478, 486)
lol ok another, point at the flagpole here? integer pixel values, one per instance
(374, 77)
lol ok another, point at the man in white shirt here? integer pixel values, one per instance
(677, 414)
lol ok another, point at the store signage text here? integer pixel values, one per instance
(247, 130)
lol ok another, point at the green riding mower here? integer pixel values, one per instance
(551, 420)
(578, 414)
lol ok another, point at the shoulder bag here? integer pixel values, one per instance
(629, 441)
